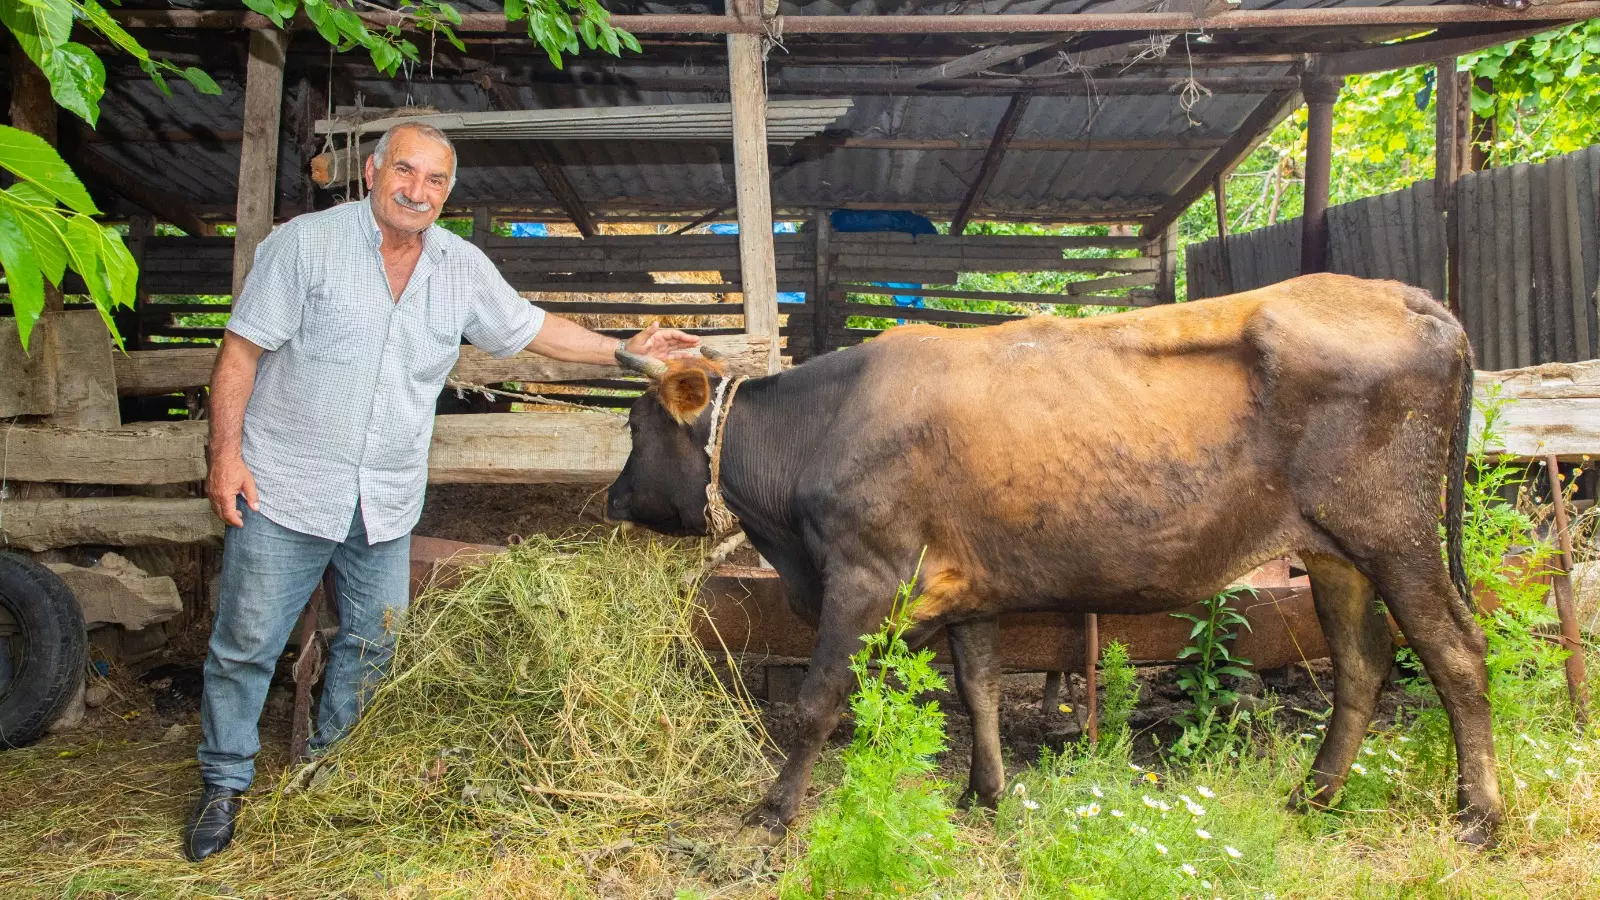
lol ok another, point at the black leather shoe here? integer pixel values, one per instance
(210, 826)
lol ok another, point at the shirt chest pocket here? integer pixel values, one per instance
(337, 325)
(437, 342)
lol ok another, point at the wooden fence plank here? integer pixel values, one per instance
(1522, 270)
(39, 525)
(1578, 298)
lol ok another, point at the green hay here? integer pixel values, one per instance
(548, 720)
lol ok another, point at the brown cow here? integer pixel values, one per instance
(1122, 464)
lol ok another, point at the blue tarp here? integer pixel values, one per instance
(863, 220)
(528, 229)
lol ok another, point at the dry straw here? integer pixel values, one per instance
(554, 713)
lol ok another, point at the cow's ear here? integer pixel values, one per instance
(685, 392)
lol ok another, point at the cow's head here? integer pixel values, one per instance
(663, 484)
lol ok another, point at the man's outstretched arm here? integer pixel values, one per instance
(568, 341)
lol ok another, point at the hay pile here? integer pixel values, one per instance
(549, 723)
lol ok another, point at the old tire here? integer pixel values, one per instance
(45, 649)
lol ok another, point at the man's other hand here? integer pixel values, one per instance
(229, 477)
(660, 342)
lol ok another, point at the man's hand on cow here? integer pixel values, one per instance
(661, 343)
(229, 477)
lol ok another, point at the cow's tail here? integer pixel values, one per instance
(1456, 483)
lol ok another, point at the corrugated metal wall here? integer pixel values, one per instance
(1529, 246)
(1528, 243)
(1399, 235)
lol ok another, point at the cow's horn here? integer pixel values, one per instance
(713, 355)
(648, 366)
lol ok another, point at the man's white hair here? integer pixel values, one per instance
(380, 152)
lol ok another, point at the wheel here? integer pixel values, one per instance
(43, 648)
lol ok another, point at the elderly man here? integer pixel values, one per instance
(321, 414)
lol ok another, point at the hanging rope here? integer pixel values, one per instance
(718, 516)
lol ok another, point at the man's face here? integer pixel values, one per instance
(409, 189)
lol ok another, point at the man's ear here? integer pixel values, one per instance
(685, 392)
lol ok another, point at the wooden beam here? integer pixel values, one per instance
(1556, 410)
(1087, 145)
(40, 525)
(149, 372)
(1421, 51)
(152, 453)
(258, 154)
(164, 205)
(550, 172)
(1320, 93)
(985, 23)
(1003, 132)
(986, 58)
(549, 168)
(757, 261)
(528, 448)
(1251, 132)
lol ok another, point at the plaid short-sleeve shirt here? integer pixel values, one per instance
(342, 410)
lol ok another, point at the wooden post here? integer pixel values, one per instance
(1483, 130)
(1219, 194)
(1320, 93)
(258, 151)
(758, 271)
(822, 285)
(482, 226)
(1052, 693)
(1091, 678)
(1561, 584)
(129, 321)
(1447, 171)
(1003, 132)
(1164, 250)
(33, 110)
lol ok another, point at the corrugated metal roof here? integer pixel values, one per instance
(659, 177)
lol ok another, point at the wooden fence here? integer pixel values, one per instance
(1528, 238)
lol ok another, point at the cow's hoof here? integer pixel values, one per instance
(1304, 799)
(1479, 836)
(971, 799)
(762, 826)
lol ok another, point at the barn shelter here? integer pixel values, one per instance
(878, 117)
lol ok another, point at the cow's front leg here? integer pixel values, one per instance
(846, 616)
(978, 683)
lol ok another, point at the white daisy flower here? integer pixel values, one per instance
(1161, 849)
(1096, 792)
(1202, 834)
(1205, 792)
(1396, 757)
(1233, 852)
(1019, 789)
(1149, 801)
(1030, 804)
(1189, 870)
(1358, 768)
(1116, 814)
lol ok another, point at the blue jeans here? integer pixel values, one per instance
(268, 573)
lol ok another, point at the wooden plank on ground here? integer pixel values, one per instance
(118, 521)
(151, 453)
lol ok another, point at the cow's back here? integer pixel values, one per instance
(1081, 457)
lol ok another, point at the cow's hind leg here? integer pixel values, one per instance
(1362, 652)
(978, 682)
(1441, 629)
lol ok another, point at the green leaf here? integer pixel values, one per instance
(28, 157)
(45, 228)
(201, 81)
(1234, 671)
(77, 80)
(516, 10)
(102, 22)
(22, 274)
(83, 246)
(268, 8)
(629, 41)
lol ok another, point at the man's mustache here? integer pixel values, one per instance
(420, 206)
